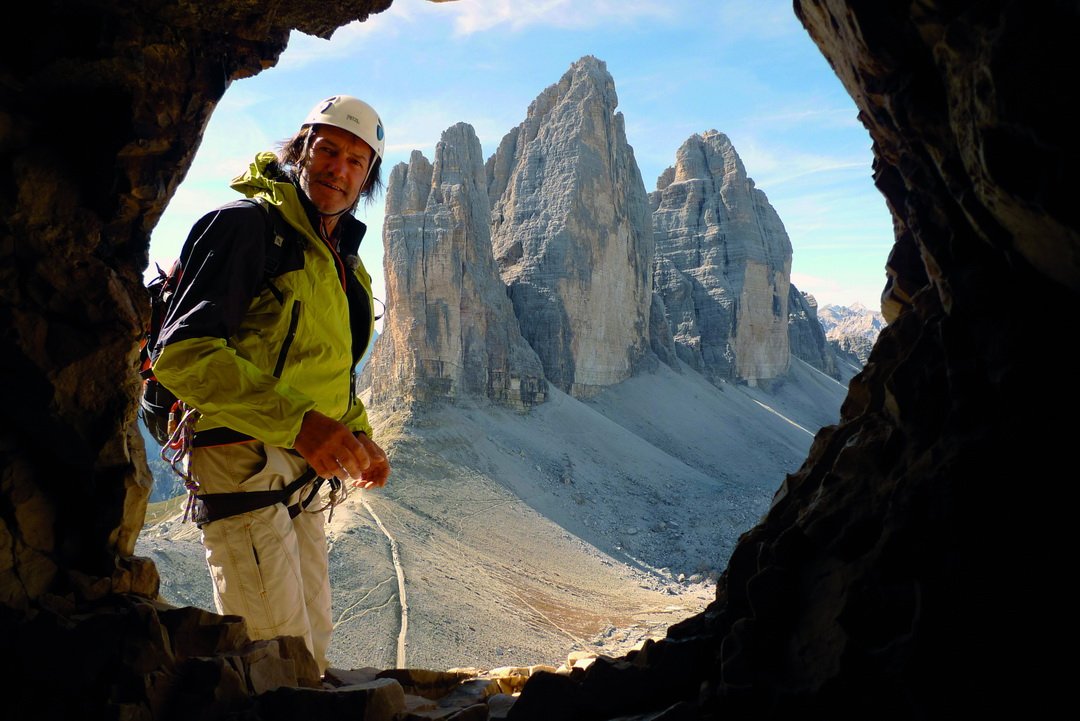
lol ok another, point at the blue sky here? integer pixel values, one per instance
(744, 67)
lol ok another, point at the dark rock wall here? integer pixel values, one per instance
(901, 572)
(102, 106)
(806, 336)
(895, 575)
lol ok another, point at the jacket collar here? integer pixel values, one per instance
(264, 178)
(349, 231)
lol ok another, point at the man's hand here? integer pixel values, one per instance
(332, 450)
(379, 469)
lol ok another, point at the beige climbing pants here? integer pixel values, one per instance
(267, 567)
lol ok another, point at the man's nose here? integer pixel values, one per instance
(337, 166)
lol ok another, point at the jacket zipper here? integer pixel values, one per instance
(338, 262)
(294, 320)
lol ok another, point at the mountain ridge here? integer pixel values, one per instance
(851, 330)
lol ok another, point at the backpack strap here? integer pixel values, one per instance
(279, 233)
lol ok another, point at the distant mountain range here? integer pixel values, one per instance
(852, 330)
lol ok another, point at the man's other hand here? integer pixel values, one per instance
(332, 450)
(378, 469)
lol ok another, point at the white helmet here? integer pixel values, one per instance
(353, 115)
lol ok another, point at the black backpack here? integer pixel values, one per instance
(159, 409)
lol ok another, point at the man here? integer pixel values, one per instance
(262, 339)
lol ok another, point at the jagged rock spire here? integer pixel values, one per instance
(723, 264)
(449, 330)
(572, 233)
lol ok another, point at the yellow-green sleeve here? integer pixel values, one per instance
(208, 375)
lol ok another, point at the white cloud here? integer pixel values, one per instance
(348, 41)
(772, 164)
(475, 16)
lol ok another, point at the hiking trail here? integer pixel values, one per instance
(400, 581)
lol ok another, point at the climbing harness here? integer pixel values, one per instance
(203, 509)
(210, 507)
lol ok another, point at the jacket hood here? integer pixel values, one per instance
(265, 179)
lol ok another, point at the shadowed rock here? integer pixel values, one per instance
(807, 337)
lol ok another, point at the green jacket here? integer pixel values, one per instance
(254, 354)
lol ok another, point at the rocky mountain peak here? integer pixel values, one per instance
(708, 155)
(586, 78)
(723, 264)
(449, 330)
(572, 234)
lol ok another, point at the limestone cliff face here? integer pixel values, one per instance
(572, 234)
(723, 264)
(449, 329)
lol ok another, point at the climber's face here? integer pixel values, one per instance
(335, 169)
